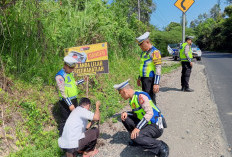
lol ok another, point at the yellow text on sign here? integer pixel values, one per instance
(184, 5)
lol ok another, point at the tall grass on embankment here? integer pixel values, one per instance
(34, 35)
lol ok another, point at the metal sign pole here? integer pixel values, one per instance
(183, 27)
(139, 10)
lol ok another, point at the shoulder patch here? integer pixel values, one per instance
(157, 53)
(141, 100)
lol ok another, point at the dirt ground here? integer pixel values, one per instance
(194, 128)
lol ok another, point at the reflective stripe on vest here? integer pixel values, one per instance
(70, 88)
(182, 54)
(147, 66)
(139, 111)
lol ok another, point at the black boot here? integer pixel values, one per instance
(182, 88)
(164, 150)
(188, 90)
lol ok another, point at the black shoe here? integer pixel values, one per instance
(188, 90)
(164, 151)
(182, 88)
(132, 143)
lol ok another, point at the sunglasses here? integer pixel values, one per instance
(140, 43)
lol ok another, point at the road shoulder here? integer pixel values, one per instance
(194, 127)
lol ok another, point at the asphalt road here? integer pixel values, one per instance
(219, 72)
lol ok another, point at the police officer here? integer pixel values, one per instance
(150, 66)
(67, 89)
(145, 123)
(186, 57)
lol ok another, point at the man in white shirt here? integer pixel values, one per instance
(75, 138)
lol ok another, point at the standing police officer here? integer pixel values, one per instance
(186, 57)
(150, 66)
(67, 89)
(145, 123)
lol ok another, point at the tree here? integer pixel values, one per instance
(172, 26)
(215, 12)
(228, 10)
(201, 18)
(229, 1)
(131, 7)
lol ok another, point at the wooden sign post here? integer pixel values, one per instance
(87, 87)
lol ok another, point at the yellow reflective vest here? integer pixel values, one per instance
(70, 87)
(183, 57)
(139, 111)
(147, 64)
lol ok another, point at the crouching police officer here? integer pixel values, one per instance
(67, 89)
(145, 123)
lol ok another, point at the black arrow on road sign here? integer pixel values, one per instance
(182, 5)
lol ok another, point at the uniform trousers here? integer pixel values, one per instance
(186, 71)
(64, 113)
(147, 136)
(147, 86)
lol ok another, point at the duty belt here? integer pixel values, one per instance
(71, 98)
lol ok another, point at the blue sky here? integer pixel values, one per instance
(166, 12)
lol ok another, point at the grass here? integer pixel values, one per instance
(170, 68)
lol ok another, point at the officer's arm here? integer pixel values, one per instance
(156, 57)
(186, 50)
(145, 104)
(60, 86)
(157, 74)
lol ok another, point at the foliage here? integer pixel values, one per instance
(215, 12)
(215, 33)
(172, 26)
(172, 35)
(229, 1)
(35, 33)
(32, 126)
(130, 7)
(201, 18)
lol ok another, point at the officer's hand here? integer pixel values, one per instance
(123, 116)
(71, 107)
(156, 88)
(191, 64)
(135, 133)
(139, 82)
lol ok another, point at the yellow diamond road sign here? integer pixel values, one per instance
(184, 5)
